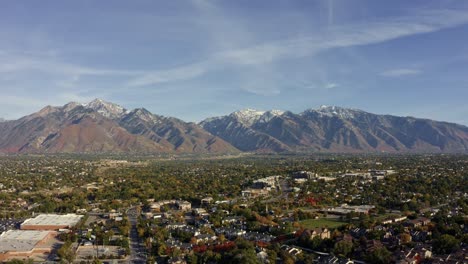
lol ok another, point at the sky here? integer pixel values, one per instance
(194, 59)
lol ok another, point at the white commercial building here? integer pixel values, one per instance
(51, 222)
(23, 243)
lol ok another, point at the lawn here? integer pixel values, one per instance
(322, 222)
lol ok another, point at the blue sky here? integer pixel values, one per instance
(201, 58)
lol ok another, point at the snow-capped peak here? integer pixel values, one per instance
(145, 115)
(70, 106)
(248, 116)
(268, 115)
(345, 113)
(106, 109)
(276, 112)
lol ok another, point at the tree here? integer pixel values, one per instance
(245, 253)
(221, 238)
(315, 243)
(405, 238)
(192, 259)
(379, 256)
(446, 244)
(343, 248)
(66, 252)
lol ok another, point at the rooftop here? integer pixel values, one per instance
(53, 220)
(21, 240)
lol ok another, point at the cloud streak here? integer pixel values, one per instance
(331, 85)
(336, 37)
(11, 63)
(400, 72)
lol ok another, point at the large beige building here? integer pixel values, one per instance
(51, 222)
(24, 243)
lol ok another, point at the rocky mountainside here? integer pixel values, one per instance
(99, 127)
(335, 129)
(181, 136)
(104, 127)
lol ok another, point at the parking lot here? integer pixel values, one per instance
(8, 224)
(88, 252)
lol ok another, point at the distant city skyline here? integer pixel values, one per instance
(202, 58)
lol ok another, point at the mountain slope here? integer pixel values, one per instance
(184, 137)
(71, 128)
(101, 126)
(335, 129)
(236, 129)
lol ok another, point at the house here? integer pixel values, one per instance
(199, 211)
(372, 245)
(205, 238)
(414, 255)
(206, 200)
(420, 236)
(345, 237)
(175, 226)
(230, 233)
(333, 260)
(184, 205)
(293, 251)
(394, 220)
(358, 232)
(232, 220)
(418, 222)
(307, 175)
(259, 237)
(321, 233)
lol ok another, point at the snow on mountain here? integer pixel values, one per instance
(145, 115)
(268, 115)
(71, 106)
(106, 109)
(344, 113)
(248, 116)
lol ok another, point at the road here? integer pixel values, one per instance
(137, 251)
(284, 190)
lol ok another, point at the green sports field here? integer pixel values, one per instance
(322, 222)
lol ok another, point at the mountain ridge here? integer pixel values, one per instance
(101, 126)
(337, 129)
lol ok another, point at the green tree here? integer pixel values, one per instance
(446, 244)
(379, 256)
(66, 253)
(343, 248)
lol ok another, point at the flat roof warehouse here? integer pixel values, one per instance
(24, 243)
(35, 236)
(51, 222)
(21, 240)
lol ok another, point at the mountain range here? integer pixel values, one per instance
(104, 127)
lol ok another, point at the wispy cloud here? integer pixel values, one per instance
(25, 104)
(176, 74)
(331, 85)
(400, 72)
(11, 62)
(343, 36)
(20, 101)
